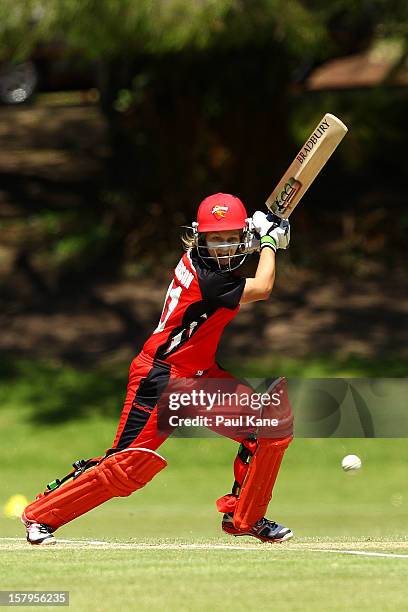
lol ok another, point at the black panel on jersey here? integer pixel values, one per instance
(194, 316)
(222, 289)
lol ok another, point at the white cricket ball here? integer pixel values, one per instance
(351, 463)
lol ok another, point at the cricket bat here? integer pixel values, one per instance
(307, 164)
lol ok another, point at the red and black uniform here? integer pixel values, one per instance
(200, 302)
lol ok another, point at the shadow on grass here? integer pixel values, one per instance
(352, 366)
(56, 394)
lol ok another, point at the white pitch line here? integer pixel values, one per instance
(96, 542)
(59, 540)
(162, 546)
(361, 552)
(131, 546)
(3, 540)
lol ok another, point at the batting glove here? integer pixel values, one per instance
(272, 235)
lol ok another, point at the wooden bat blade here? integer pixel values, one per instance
(307, 164)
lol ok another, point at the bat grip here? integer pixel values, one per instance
(274, 218)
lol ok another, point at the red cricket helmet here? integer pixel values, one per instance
(221, 211)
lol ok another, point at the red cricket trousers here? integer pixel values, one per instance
(148, 379)
(138, 425)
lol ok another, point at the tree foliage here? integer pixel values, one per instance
(110, 28)
(196, 95)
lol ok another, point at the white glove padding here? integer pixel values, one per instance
(261, 224)
(281, 235)
(272, 235)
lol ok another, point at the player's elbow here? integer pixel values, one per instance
(256, 291)
(257, 295)
(265, 289)
(265, 293)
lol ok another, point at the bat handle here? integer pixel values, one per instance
(274, 218)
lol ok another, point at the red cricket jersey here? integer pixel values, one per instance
(200, 302)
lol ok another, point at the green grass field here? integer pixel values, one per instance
(163, 545)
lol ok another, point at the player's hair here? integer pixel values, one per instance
(188, 241)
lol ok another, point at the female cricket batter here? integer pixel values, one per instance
(203, 297)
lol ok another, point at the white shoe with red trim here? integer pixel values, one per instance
(39, 534)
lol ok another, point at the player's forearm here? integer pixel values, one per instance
(265, 272)
(260, 287)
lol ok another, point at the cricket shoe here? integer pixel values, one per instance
(39, 534)
(264, 530)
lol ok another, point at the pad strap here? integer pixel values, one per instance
(117, 475)
(256, 491)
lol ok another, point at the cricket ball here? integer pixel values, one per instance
(351, 463)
